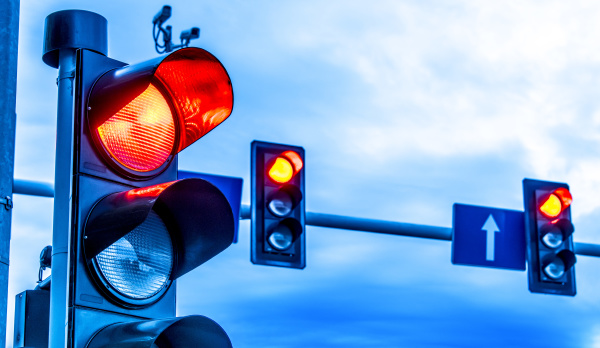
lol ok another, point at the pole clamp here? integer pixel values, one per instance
(7, 201)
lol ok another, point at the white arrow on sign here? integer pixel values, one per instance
(491, 228)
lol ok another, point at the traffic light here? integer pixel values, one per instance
(277, 211)
(136, 228)
(549, 230)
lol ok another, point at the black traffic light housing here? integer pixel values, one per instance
(114, 206)
(278, 206)
(549, 234)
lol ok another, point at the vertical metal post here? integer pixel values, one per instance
(65, 32)
(63, 179)
(9, 34)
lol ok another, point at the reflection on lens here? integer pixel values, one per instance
(139, 264)
(553, 239)
(281, 238)
(281, 204)
(555, 269)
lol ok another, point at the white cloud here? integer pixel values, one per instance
(461, 80)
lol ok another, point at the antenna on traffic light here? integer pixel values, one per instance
(167, 32)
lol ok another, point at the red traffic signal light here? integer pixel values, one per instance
(140, 116)
(283, 168)
(549, 230)
(553, 204)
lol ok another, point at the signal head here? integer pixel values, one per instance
(549, 230)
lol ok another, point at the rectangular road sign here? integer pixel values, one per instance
(488, 237)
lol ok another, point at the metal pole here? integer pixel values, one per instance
(397, 228)
(379, 226)
(33, 188)
(9, 34)
(64, 33)
(63, 179)
(328, 220)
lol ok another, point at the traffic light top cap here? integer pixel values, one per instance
(73, 29)
(144, 113)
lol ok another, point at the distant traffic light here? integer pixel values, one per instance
(136, 228)
(278, 234)
(549, 230)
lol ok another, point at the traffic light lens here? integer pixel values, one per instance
(555, 269)
(281, 171)
(281, 238)
(141, 135)
(553, 238)
(139, 264)
(552, 206)
(281, 204)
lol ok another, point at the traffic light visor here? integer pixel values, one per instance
(190, 331)
(141, 115)
(137, 241)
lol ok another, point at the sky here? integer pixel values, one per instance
(403, 108)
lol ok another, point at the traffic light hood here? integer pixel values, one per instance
(143, 113)
(190, 331)
(197, 215)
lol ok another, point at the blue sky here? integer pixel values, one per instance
(403, 108)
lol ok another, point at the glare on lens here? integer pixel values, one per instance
(281, 238)
(555, 269)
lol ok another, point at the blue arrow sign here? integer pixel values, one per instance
(488, 237)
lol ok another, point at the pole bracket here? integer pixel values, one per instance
(7, 202)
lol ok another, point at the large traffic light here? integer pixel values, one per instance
(277, 212)
(549, 232)
(136, 228)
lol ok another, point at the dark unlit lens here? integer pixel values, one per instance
(555, 269)
(281, 204)
(139, 264)
(553, 239)
(281, 238)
